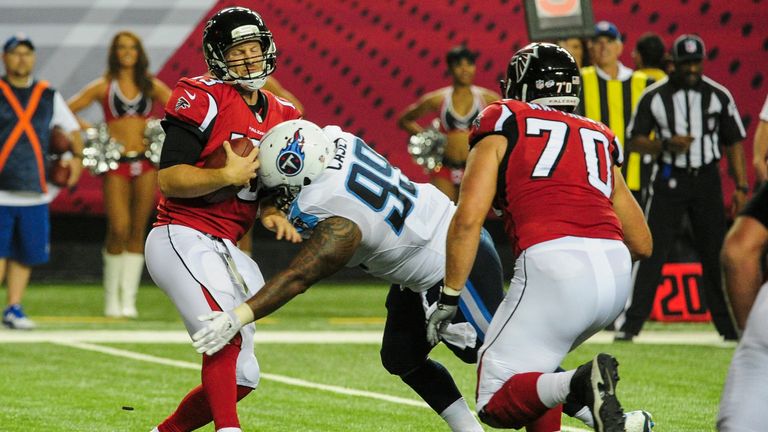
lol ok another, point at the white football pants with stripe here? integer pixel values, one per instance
(200, 274)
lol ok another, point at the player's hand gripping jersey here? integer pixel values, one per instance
(556, 179)
(403, 239)
(216, 112)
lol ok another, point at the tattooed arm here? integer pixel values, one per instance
(331, 246)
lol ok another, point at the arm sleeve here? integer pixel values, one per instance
(182, 145)
(62, 115)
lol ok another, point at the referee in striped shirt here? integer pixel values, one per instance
(692, 116)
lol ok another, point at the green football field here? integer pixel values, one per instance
(319, 358)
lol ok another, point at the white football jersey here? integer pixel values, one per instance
(403, 224)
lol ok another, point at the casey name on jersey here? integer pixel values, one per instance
(341, 153)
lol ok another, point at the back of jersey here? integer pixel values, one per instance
(403, 224)
(556, 179)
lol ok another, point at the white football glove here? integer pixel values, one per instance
(222, 326)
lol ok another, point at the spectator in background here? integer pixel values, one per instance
(610, 94)
(688, 177)
(760, 146)
(745, 395)
(29, 109)
(456, 106)
(650, 56)
(577, 48)
(126, 94)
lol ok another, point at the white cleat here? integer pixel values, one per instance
(638, 421)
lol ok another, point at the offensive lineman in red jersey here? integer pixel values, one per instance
(191, 252)
(576, 228)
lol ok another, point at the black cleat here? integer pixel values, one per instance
(621, 336)
(594, 385)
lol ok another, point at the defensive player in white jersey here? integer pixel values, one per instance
(355, 209)
(358, 210)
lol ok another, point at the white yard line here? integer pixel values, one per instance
(181, 336)
(273, 377)
(309, 337)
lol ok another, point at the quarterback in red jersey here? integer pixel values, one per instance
(556, 177)
(191, 252)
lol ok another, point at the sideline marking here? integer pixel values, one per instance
(181, 336)
(313, 337)
(273, 377)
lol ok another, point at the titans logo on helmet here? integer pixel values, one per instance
(290, 160)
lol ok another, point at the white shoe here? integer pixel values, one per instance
(15, 318)
(638, 421)
(130, 312)
(112, 270)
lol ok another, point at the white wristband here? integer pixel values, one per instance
(243, 313)
(450, 291)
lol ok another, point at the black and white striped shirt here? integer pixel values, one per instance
(707, 113)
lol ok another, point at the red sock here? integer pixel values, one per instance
(194, 412)
(549, 422)
(220, 385)
(516, 403)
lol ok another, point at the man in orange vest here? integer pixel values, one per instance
(29, 109)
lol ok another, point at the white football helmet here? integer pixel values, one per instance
(292, 155)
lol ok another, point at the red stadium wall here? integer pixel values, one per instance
(358, 63)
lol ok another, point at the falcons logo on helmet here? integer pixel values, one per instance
(522, 61)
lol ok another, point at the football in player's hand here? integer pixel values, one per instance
(58, 174)
(217, 159)
(60, 141)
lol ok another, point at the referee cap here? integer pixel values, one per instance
(688, 48)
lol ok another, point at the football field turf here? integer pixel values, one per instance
(319, 358)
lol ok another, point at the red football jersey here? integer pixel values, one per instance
(556, 179)
(219, 112)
